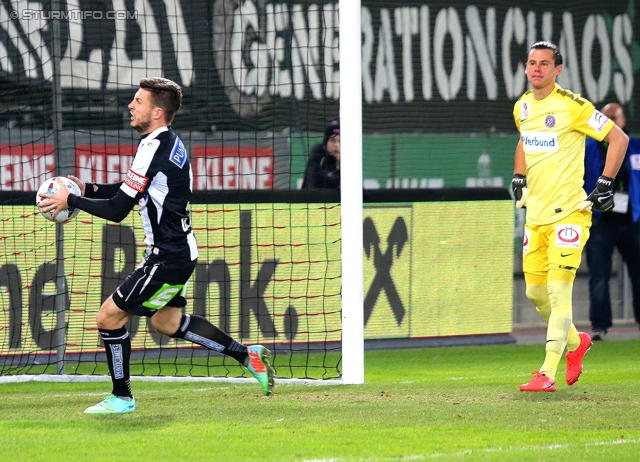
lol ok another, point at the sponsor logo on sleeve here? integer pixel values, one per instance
(597, 121)
(539, 141)
(135, 181)
(178, 153)
(568, 236)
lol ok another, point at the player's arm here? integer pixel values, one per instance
(95, 190)
(601, 198)
(519, 181)
(114, 209)
(618, 143)
(101, 191)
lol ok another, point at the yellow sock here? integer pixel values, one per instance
(544, 311)
(560, 293)
(574, 339)
(552, 299)
(560, 286)
(557, 335)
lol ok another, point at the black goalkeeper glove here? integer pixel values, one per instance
(519, 188)
(601, 197)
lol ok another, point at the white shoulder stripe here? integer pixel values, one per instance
(144, 156)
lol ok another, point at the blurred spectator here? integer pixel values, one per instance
(323, 166)
(618, 229)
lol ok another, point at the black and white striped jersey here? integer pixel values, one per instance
(160, 181)
(161, 172)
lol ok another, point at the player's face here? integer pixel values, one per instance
(541, 69)
(142, 111)
(333, 146)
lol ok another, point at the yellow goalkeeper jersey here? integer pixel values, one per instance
(553, 132)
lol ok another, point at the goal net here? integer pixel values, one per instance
(260, 83)
(261, 80)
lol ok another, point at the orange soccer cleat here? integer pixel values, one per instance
(539, 382)
(574, 358)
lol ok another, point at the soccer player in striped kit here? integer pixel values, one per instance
(159, 181)
(548, 181)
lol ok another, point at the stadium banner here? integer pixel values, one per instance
(24, 167)
(432, 269)
(230, 161)
(214, 167)
(434, 65)
(397, 161)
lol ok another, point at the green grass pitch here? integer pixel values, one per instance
(459, 403)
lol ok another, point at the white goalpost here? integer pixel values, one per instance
(351, 192)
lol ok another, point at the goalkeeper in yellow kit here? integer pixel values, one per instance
(548, 179)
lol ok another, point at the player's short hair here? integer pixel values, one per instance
(165, 94)
(544, 45)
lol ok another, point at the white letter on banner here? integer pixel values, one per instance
(406, 19)
(448, 22)
(532, 32)
(251, 80)
(623, 80)
(367, 53)
(30, 64)
(278, 22)
(245, 15)
(570, 77)
(425, 53)
(514, 83)
(385, 61)
(75, 72)
(331, 50)
(304, 52)
(181, 44)
(257, 76)
(32, 29)
(481, 49)
(596, 28)
(122, 70)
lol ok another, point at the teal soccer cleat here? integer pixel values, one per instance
(260, 368)
(112, 405)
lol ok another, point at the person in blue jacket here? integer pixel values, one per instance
(619, 228)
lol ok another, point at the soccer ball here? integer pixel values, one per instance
(50, 186)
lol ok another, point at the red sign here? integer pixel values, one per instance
(232, 167)
(214, 167)
(104, 164)
(24, 167)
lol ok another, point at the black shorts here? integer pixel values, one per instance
(159, 281)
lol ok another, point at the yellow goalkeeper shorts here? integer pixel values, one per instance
(555, 245)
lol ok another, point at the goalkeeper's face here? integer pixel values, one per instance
(142, 111)
(541, 69)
